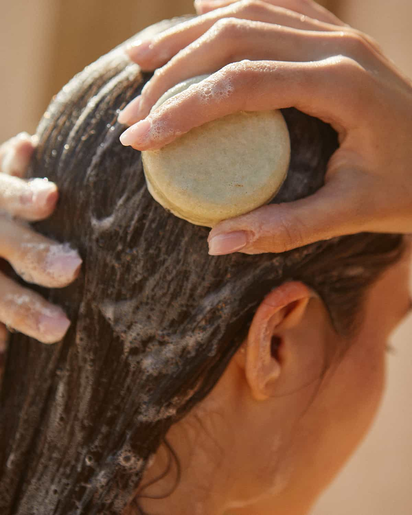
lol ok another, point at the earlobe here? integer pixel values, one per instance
(281, 310)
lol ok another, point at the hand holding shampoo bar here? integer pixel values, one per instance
(222, 169)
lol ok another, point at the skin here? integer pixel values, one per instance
(35, 258)
(246, 448)
(275, 404)
(278, 54)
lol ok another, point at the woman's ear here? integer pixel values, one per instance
(261, 354)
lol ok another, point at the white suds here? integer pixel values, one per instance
(55, 266)
(10, 460)
(32, 304)
(129, 460)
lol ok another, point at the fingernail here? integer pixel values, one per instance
(136, 134)
(42, 192)
(140, 49)
(53, 328)
(227, 243)
(131, 110)
(62, 262)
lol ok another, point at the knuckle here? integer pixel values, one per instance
(352, 81)
(367, 41)
(240, 74)
(252, 7)
(239, 70)
(374, 44)
(226, 27)
(356, 43)
(344, 66)
(290, 233)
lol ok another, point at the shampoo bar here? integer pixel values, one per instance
(221, 169)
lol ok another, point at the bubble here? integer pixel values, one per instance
(10, 460)
(102, 480)
(156, 413)
(161, 130)
(129, 460)
(51, 260)
(89, 460)
(215, 88)
(126, 459)
(18, 299)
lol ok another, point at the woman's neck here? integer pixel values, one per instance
(191, 486)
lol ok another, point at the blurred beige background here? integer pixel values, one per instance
(43, 43)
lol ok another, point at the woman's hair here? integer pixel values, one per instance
(155, 319)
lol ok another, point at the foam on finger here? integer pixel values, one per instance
(35, 258)
(31, 200)
(25, 311)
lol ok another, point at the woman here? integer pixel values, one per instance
(360, 193)
(367, 184)
(294, 342)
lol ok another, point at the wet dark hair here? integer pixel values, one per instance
(155, 319)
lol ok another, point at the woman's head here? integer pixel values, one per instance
(252, 361)
(277, 427)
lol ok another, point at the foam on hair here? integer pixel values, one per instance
(155, 319)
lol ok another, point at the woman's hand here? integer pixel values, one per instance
(279, 54)
(35, 258)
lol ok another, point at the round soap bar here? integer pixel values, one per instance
(221, 169)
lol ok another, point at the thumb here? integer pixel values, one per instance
(339, 208)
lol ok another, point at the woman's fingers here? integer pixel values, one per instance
(151, 54)
(324, 215)
(31, 200)
(27, 312)
(303, 7)
(35, 258)
(335, 90)
(232, 40)
(193, 36)
(16, 153)
(331, 72)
